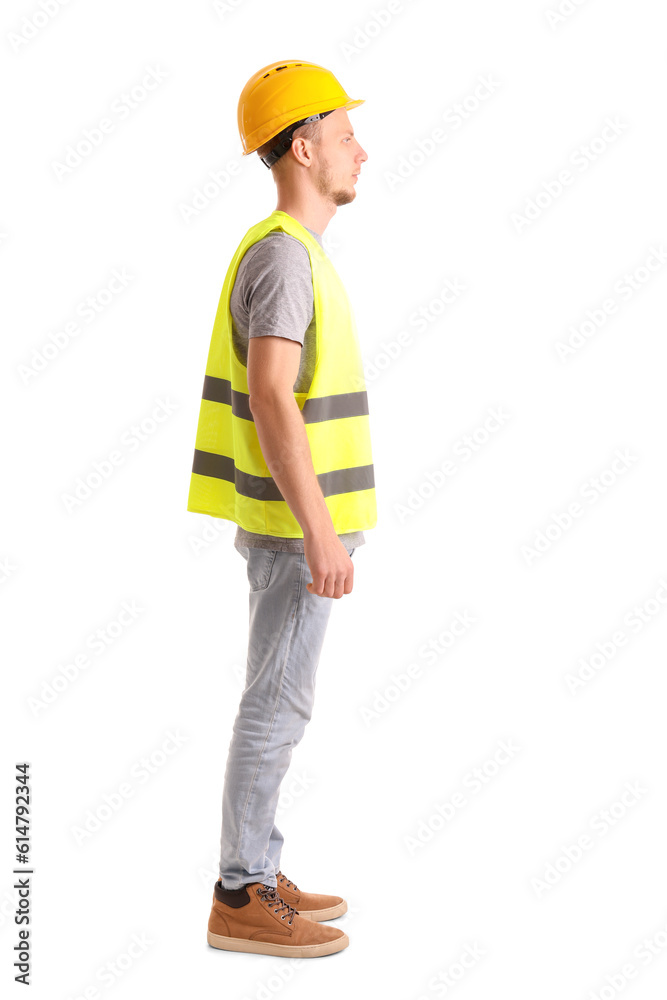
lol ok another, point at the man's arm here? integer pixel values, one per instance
(273, 365)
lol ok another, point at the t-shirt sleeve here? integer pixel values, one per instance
(278, 289)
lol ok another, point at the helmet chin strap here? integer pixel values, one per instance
(285, 138)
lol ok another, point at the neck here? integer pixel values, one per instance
(307, 207)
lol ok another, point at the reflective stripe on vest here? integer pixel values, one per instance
(230, 478)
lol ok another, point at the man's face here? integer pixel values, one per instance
(338, 159)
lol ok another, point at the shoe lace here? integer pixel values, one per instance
(283, 878)
(269, 894)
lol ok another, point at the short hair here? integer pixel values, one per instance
(311, 131)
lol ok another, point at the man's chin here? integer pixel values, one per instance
(344, 197)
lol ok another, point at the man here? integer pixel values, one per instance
(283, 450)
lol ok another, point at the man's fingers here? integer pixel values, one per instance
(328, 587)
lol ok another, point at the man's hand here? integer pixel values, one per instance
(330, 566)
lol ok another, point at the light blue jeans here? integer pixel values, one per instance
(287, 627)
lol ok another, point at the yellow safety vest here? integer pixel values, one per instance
(230, 478)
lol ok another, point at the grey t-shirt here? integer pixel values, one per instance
(273, 296)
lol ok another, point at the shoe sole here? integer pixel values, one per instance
(266, 948)
(329, 914)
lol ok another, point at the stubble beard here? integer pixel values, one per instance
(325, 185)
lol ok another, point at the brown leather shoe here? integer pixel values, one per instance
(311, 905)
(255, 918)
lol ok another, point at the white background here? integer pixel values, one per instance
(495, 876)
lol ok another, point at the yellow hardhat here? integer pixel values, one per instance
(283, 96)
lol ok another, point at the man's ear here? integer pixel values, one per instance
(302, 151)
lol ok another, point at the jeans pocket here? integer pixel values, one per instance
(260, 565)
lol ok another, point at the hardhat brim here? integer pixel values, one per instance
(271, 129)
